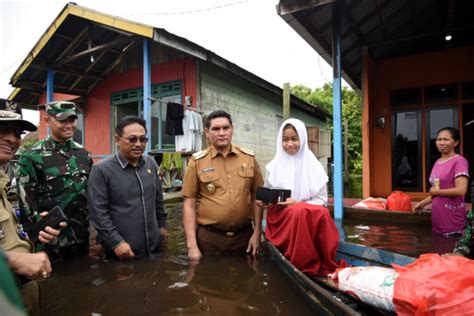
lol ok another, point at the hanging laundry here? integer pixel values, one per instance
(174, 119)
(191, 140)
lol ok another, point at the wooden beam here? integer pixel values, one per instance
(95, 49)
(67, 72)
(73, 44)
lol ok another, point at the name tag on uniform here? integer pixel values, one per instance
(208, 169)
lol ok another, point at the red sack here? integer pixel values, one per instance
(399, 201)
(435, 285)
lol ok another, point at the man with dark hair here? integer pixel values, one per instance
(217, 114)
(54, 172)
(219, 195)
(27, 266)
(125, 196)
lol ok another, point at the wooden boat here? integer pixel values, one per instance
(385, 216)
(322, 293)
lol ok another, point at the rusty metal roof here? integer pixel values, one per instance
(386, 28)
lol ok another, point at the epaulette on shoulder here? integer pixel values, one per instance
(200, 154)
(246, 151)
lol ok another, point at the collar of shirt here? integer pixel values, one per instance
(124, 162)
(59, 146)
(215, 152)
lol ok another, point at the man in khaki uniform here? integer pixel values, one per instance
(219, 195)
(28, 266)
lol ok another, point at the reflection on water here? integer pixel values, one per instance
(410, 240)
(168, 285)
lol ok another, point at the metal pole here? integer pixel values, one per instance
(147, 92)
(49, 91)
(50, 86)
(286, 100)
(337, 114)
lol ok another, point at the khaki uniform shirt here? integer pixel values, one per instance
(9, 238)
(224, 186)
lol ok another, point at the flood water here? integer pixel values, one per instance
(408, 239)
(230, 285)
(168, 285)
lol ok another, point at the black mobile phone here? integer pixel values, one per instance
(52, 219)
(272, 195)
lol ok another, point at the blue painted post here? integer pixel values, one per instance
(49, 91)
(147, 90)
(337, 114)
(50, 86)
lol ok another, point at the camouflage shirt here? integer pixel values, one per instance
(51, 174)
(465, 245)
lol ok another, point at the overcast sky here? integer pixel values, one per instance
(248, 33)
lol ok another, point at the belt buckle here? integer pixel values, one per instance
(229, 234)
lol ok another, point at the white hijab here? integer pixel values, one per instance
(302, 173)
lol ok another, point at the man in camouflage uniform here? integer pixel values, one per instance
(465, 245)
(55, 172)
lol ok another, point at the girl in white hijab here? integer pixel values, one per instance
(295, 167)
(301, 227)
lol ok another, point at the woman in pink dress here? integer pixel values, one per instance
(301, 227)
(449, 179)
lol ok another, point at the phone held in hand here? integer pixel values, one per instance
(52, 219)
(272, 195)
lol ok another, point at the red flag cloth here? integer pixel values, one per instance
(306, 235)
(435, 285)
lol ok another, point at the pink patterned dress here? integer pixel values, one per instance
(448, 213)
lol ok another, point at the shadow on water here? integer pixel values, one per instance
(168, 285)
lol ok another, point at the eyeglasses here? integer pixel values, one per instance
(8, 129)
(135, 139)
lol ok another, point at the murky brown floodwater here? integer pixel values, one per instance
(167, 285)
(407, 239)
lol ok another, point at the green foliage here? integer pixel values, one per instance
(351, 111)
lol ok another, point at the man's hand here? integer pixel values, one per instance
(164, 232)
(194, 254)
(31, 265)
(254, 243)
(124, 251)
(49, 234)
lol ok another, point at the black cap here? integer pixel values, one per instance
(10, 112)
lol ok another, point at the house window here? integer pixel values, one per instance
(437, 118)
(406, 162)
(131, 103)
